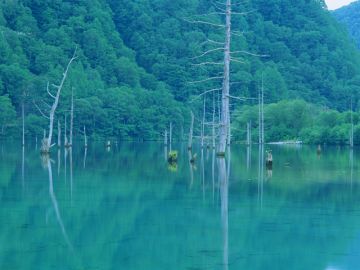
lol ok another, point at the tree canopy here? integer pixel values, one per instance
(136, 59)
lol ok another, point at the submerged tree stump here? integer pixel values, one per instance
(173, 157)
(269, 160)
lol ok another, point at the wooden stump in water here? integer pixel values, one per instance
(269, 160)
(45, 148)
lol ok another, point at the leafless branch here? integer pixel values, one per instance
(237, 60)
(243, 13)
(204, 22)
(249, 53)
(46, 104)
(41, 112)
(241, 98)
(212, 41)
(208, 63)
(207, 52)
(208, 79)
(47, 89)
(204, 93)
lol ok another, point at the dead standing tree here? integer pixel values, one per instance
(228, 56)
(46, 142)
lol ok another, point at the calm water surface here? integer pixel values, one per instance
(126, 208)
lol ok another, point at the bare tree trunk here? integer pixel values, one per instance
(213, 122)
(226, 84)
(203, 124)
(352, 127)
(85, 154)
(247, 133)
(229, 130)
(72, 116)
(261, 122)
(170, 136)
(165, 137)
(47, 143)
(191, 131)
(262, 112)
(65, 133)
(23, 123)
(59, 134)
(250, 132)
(85, 138)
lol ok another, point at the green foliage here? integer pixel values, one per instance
(298, 120)
(7, 113)
(136, 61)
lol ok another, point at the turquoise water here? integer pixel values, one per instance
(127, 208)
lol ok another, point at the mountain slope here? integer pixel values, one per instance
(137, 60)
(114, 96)
(310, 55)
(350, 16)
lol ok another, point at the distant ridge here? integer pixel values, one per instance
(350, 16)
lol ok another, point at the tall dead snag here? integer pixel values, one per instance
(213, 122)
(71, 117)
(247, 133)
(203, 124)
(65, 133)
(352, 126)
(59, 134)
(191, 131)
(165, 137)
(261, 113)
(85, 138)
(46, 143)
(224, 122)
(23, 122)
(170, 136)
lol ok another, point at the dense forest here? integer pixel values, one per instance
(138, 61)
(350, 16)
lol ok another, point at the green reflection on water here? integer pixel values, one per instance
(125, 208)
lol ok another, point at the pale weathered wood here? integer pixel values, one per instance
(47, 141)
(59, 134)
(65, 133)
(191, 131)
(224, 128)
(71, 117)
(85, 138)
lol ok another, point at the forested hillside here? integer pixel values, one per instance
(350, 16)
(138, 59)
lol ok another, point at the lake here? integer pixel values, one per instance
(127, 208)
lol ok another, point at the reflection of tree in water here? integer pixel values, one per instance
(46, 161)
(223, 182)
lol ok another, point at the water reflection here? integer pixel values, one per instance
(85, 155)
(128, 209)
(23, 167)
(223, 182)
(46, 160)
